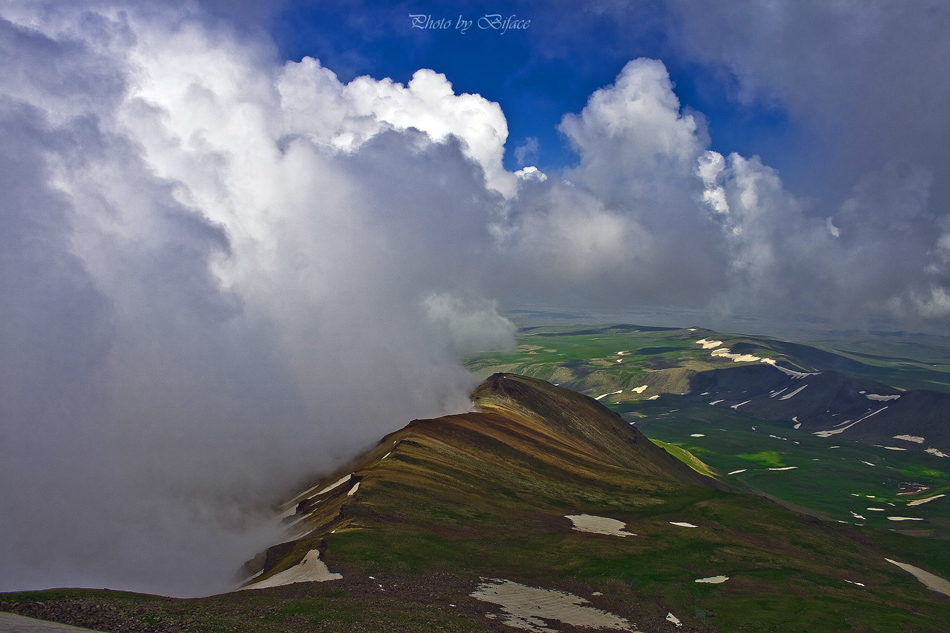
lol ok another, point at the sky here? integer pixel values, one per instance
(239, 242)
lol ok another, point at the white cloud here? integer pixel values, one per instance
(471, 327)
(366, 106)
(635, 125)
(528, 151)
(833, 230)
(226, 297)
(531, 173)
(711, 166)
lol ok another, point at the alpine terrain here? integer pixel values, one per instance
(541, 510)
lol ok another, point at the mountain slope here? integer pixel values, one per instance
(543, 498)
(830, 404)
(489, 495)
(851, 394)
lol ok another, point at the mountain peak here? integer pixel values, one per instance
(570, 419)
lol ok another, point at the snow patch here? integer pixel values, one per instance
(793, 373)
(920, 502)
(879, 398)
(310, 569)
(608, 394)
(640, 389)
(524, 607)
(937, 452)
(735, 407)
(910, 438)
(736, 472)
(934, 582)
(672, 618)
(683, 524)
(708, 344)
(845, 428)
(736, 358)
(335, 485)
(713, 580)
(697, 435)
(598, 525)
(796, 392)
(905, 518)
(785, 468)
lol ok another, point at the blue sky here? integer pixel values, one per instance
(839, 108)
(537, 74)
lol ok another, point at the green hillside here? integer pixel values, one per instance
(599, 360)
(446, 515)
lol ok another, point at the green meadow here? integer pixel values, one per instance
(832, 478)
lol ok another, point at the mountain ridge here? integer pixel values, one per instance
(540, 510)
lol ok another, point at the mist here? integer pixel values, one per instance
(222, 273)
(207, 295)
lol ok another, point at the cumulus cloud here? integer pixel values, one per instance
(206, 296)
(365, 107)
(865, 87)
(624, 226)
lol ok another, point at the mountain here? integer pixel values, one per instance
(489, 495)
(541, 510)
(530, 442)
(830, 404)
(899, 401)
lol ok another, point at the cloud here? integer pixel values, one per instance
(528, 152)
(625, 225)
(864, 86)
(470, 328)
(205, 299)
(635, 127)
(427, 103)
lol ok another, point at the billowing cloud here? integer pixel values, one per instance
(365, 107)
(865, 86)
(204, 299)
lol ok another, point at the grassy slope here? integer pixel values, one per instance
(586, 358)
(484, 495)
(826, 480)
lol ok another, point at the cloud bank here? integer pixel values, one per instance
(221, 273)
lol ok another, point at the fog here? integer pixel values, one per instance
(208, 295)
